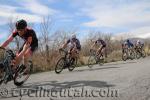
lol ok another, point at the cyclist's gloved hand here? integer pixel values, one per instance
(91, 50)
(60, 49)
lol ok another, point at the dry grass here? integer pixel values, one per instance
(41, 64)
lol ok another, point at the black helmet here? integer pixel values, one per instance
(21, 24)
(128, 40)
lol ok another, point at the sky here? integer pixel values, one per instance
(119, 17)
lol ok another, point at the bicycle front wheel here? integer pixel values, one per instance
(143, 53)
(22, 74)
(60, 65)
(124, 56)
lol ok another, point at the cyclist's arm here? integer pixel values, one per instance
(26, 46)
(93, 46)
(10, 38)
(65, 44)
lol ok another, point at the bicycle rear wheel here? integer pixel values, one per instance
(60, 65)
(143, 53)
(22, 74)
(73, 64)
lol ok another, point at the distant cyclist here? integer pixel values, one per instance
(139, 44)
(30, 41)
(102, 47)
(75, 46)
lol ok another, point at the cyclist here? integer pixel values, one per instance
(74, 48)
(130, 47)
(30, 41)
(139, 45)
(102, 47)
(129, 44)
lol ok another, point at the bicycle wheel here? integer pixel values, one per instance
(73, 63)
(91, 61)
(124, 56)
(143, 53)
(101, 62)
(60, 65)
(22, 74)
(132, 55)
(138, 55)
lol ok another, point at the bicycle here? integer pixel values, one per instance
(94, 59)
(140, 52)
(65, 62)
(8, 73)
(128, 53)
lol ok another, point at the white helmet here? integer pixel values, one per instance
(73, 36)
(138, 41)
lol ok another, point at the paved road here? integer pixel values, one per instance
(113, 81)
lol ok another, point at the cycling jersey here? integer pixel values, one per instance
(130, 45)
(76, 41)
(28, 33)
(102, 42)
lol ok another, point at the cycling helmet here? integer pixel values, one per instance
(138, 41)
(21, 24)
(73, 36)
(128, 40)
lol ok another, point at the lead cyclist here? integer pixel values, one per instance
(30, 42)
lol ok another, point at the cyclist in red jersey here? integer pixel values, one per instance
(30, 41)
(102, 47)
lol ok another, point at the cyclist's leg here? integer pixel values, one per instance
(27, 55)
(99, 51)
(73, 53)
(104, 51)
(22, 53)
(71, 46)
(16, 62)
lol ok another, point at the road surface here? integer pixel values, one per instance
(128, 80)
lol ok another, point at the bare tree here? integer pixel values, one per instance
(45, 28)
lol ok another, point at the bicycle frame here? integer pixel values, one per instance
(66, 63)
(6, 63)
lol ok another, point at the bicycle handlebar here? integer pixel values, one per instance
(65, 51)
